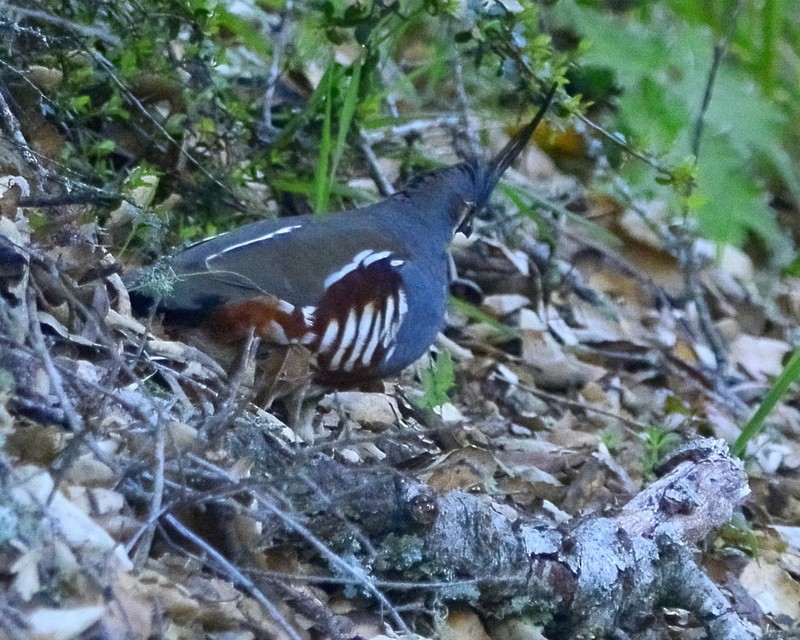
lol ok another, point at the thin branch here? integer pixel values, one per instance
(360, 577)
(635, 427)
(687, 255)
(623, 144)
(112, 74)
(394, 585)
(79, 29)
(720, 48)
(413, 127)
(234, 574)
(12, 125)
(473, 145)
(73, 419)
(719, 51)
(156, 501)
(376, 171)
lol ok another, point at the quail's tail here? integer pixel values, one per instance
(509, 153)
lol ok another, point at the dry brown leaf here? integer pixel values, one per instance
(87, 470)
(26, 573)
(759, 356)
(516, 628)
(463, 624)
(515, 258)
(372, 411)
(552, 367)
(62, 623)
(466, 468)
(570, 432)
(501, 305)
(722, 425)
(33, 487)
(776, 592)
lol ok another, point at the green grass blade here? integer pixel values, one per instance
(330, 152)
(789, 374)
(322, 187)
(474, 313)
(347, 114)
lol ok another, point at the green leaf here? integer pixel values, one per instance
(103, 148)
(437, 382)
(252, 37)
(732, 202)
(661, 63)
(80, 104)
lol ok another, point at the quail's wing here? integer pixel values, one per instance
(294, 259)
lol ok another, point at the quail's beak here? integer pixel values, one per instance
(465, 226)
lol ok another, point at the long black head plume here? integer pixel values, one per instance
(486, 174)
(509, 153)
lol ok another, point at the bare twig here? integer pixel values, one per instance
(12, 622)
(376, 171)
(281, 35)
(328, 624)
(411, 128)
(222, 564)
(112, 74)
(720, 48)
(618, 140)
(73, 418)
(12, 125)
(360, 577)
(335, 509)
(686, 252)
(156, 500)
(637, 428)
(394, 585)
(473, 146)
(86, 31)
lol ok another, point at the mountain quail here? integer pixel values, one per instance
(364, 291)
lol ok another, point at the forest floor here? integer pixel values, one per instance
(146, 494)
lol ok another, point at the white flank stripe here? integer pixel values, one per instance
(374, 257)
(375, 335)
(279, 232)
(388, 321)
(403, 307)
(348, 335)
(397, 262)
(389, 311)
(308, 315)
(362, 334)
(329, 336)
(389, 353)
(336, 360)
(286, 307)
(349, 267)
(394, 327)
(277, 334)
